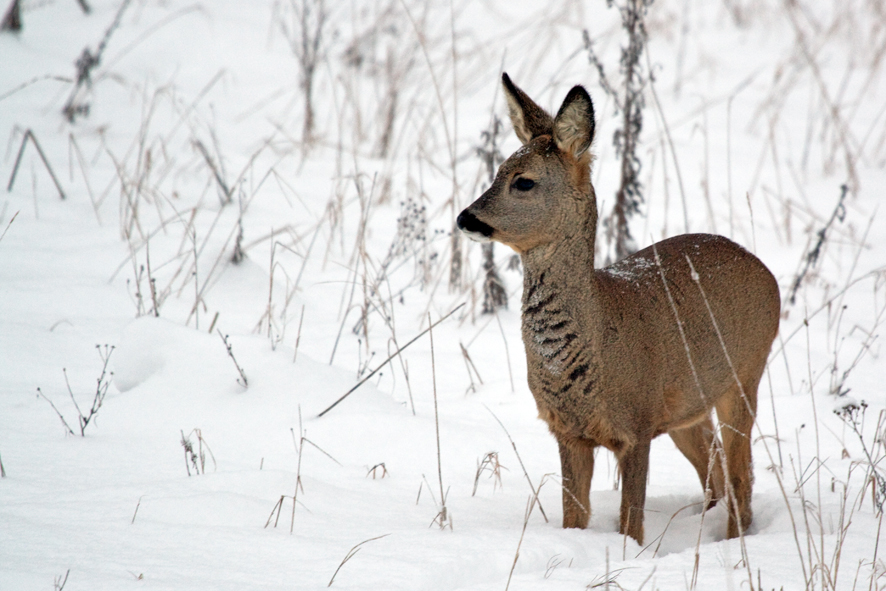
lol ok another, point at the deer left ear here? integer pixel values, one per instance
(574, 124)
(529, 120)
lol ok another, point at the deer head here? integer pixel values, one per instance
(542, 193)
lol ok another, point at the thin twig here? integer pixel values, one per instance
(839, 213)
(529, 505)
(59, 582)
(82, 162)
(9, 224)
(351, 553)
(469, 365)
(301, 448)
(64, 422)
(277, 508)
(661, 536)
(386, 361)
(137, 505)
(212, 324)
(18, 159)
(224, 338)
(670, 141)
(215, 172)
(34, 80)
(444, 515)
(519, 459)
(876, 548)
(298, 335)
(507, 353)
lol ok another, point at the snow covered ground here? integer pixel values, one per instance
(193, 149)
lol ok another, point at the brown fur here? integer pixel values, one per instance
(607, 363)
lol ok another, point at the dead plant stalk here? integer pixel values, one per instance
(18, 159)
(224, 338)
(443, 517)
(386, 361)
(103, 382)
(351, 553)
(519, 459)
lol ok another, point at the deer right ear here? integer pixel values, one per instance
(528, 118)
(574, 124)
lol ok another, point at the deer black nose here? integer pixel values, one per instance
(468, 222)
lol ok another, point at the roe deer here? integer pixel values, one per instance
(619, 355)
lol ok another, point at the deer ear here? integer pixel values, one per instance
(574, 123)
(528, 118)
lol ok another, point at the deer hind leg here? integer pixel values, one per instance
(699, 444)
(634, 465)
(736, 412)
(577, 466)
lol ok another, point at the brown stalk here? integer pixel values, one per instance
(351, 553)
(519, 459)
(443, 516)
(18, 159)
(386, 361)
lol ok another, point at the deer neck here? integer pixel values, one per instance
(561, 301)
(560, 305)
(563, 270)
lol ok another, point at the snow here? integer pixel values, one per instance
(748, 91)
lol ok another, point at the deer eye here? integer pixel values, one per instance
(524, 184)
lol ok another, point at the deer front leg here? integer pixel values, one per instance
(634, 465)
(577, 468)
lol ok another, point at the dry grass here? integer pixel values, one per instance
(103, 382)
(195, 457)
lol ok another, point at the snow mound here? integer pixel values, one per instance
(150, 346)
(139, 354)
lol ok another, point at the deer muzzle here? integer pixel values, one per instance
(473, 227)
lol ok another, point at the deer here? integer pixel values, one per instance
(619, 355)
